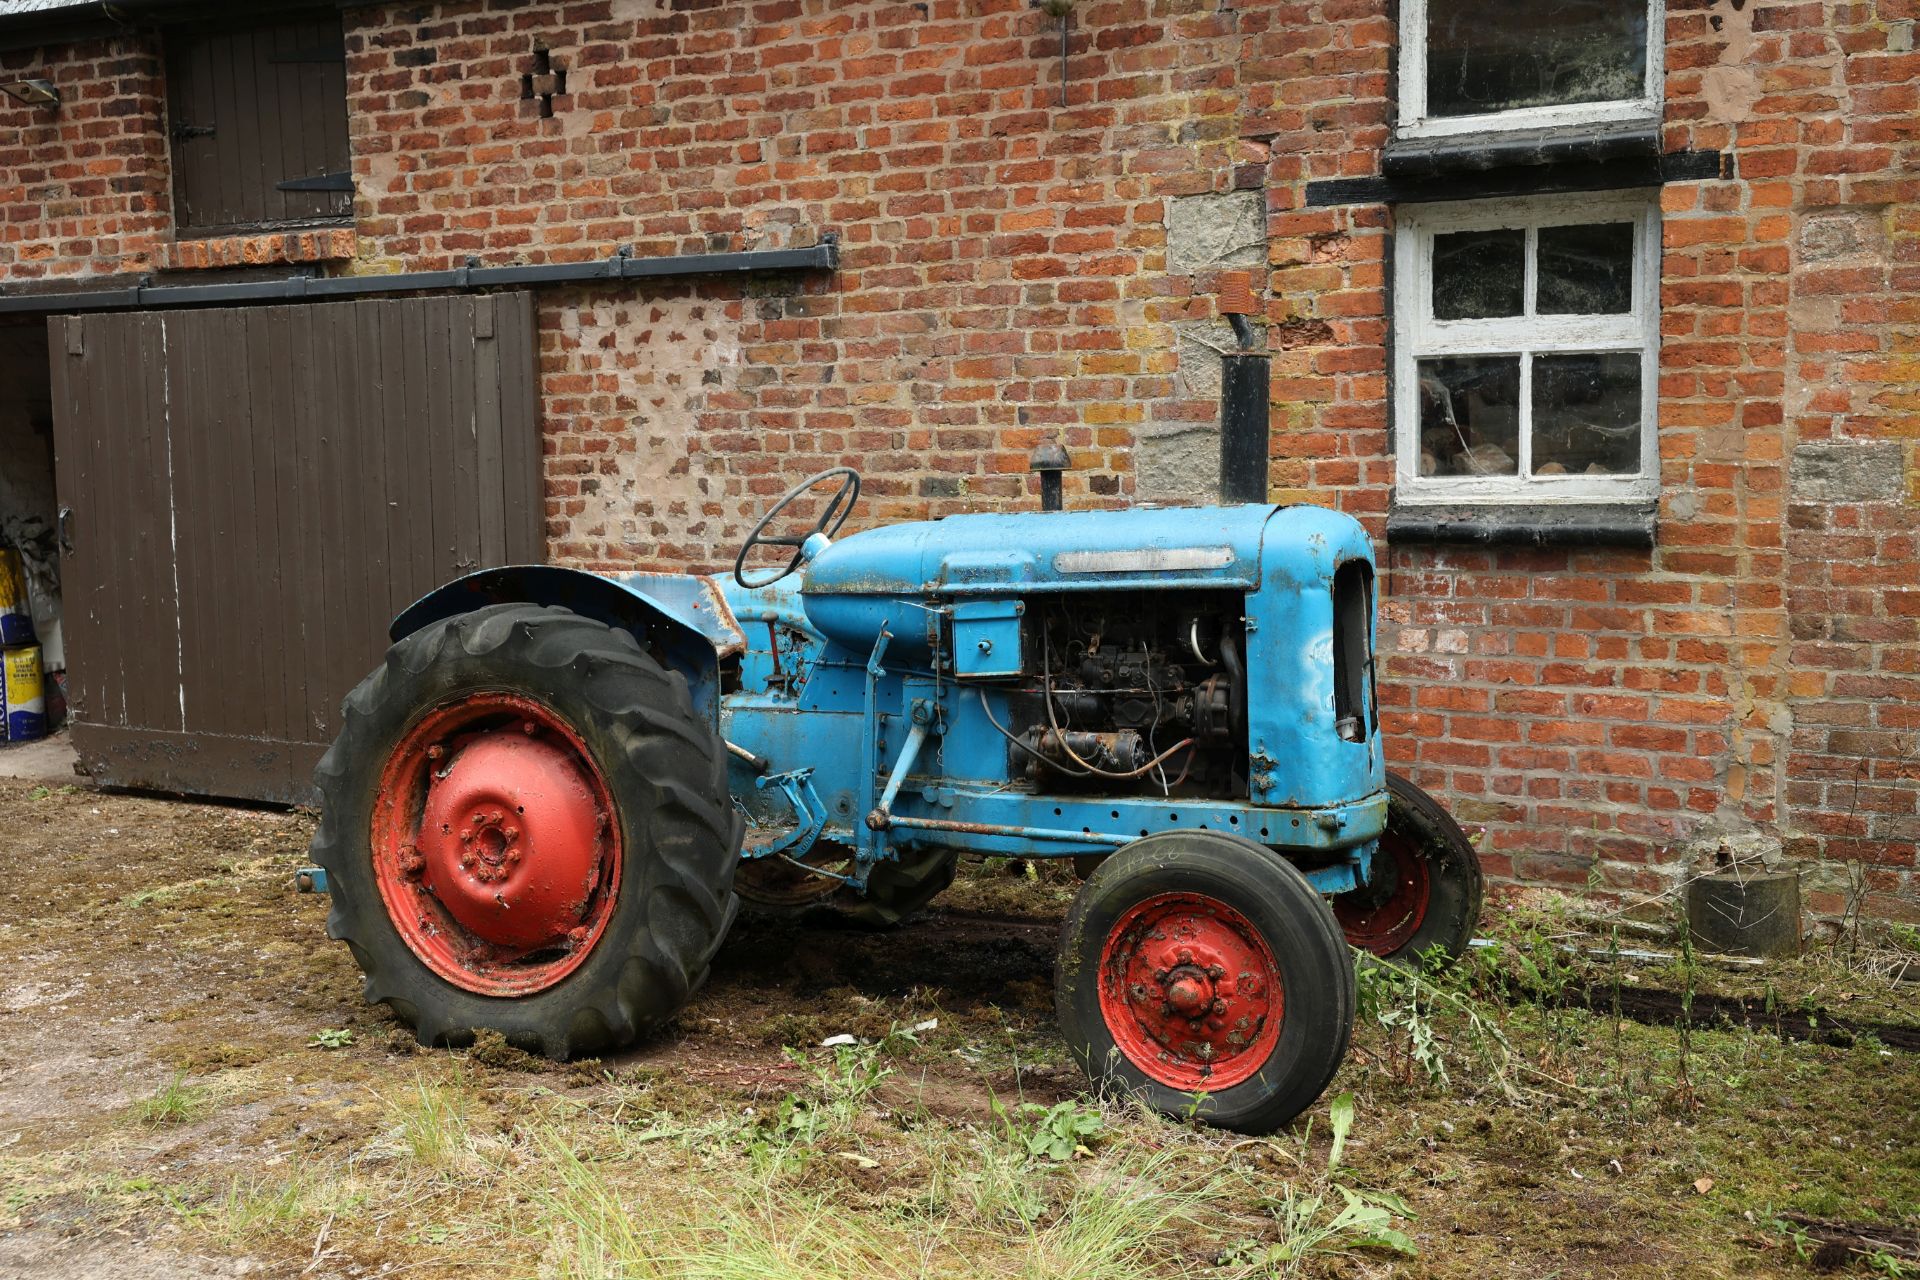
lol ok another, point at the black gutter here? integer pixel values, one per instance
(824, 256)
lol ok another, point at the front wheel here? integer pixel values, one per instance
(1422, 902)
(1201, 973)
(525, 828)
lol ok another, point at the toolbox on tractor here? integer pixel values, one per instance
(546, 806)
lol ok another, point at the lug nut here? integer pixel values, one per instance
(436, 751)
(529, 728)
(577, 937)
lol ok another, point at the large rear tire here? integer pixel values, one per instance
(1201, 973)
(1422, 903)
(526, 828)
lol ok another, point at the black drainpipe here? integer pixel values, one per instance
(1245, 392)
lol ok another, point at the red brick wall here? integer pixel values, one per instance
(1756, 672)
(1002, 255)
(1006, 275)
(86, 189)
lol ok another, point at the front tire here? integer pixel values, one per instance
(526, 828)
(1201, 973)
(1422, 903)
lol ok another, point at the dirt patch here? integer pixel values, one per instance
(190, 1084)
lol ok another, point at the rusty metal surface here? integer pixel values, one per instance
(255, 493)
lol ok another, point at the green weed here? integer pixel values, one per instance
(1325, 1216)
(175, 1103)
(1058, 1132)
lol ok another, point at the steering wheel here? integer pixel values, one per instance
(839, 507)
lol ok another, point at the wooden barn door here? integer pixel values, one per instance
(251, 495)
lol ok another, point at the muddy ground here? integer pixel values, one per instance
(190, 1085)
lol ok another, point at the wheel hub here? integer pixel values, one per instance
(1383, 915)
(511, 840)
(1190, 991)
(494, 845)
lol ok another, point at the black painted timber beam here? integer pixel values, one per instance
(146, 295)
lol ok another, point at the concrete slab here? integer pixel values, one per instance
(50, 759)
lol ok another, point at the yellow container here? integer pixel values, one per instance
(23, 694)
(16, 619)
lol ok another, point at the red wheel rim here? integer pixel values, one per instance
(1190, 992)
(1383, 915)
(495, 844)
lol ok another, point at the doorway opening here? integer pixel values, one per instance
(29, 509)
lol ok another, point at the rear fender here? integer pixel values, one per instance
(687, 635)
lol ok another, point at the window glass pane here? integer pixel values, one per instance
(1470, 416)
(1543, 53)
(1586, 414)
(1586, 270)
(1479, 274)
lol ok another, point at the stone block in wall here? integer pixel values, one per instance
(1178, 465)
(1207, 232)
(1844, 471)
(1201, 345)
(1830, 235)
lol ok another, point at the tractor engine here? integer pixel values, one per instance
(1133, 692)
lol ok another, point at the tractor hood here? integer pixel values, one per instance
(1157, 547)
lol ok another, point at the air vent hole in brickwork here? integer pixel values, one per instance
(544, 83)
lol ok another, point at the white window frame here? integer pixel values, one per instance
(1417, 335)
(1414, 122)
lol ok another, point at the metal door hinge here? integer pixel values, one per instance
(323, 182)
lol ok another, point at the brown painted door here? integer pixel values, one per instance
(254, 493)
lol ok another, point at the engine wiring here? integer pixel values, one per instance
(1051, 764)
(1060, 736)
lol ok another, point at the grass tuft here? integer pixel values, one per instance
(175, 1103)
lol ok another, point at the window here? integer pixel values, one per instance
(258, 122)
(1468, 68)
(1525, 348)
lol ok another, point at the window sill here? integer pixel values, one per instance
(1452, 169)
(1587, 524)
(314, 244)
(1433, 157)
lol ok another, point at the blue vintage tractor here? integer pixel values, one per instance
(545, 807)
